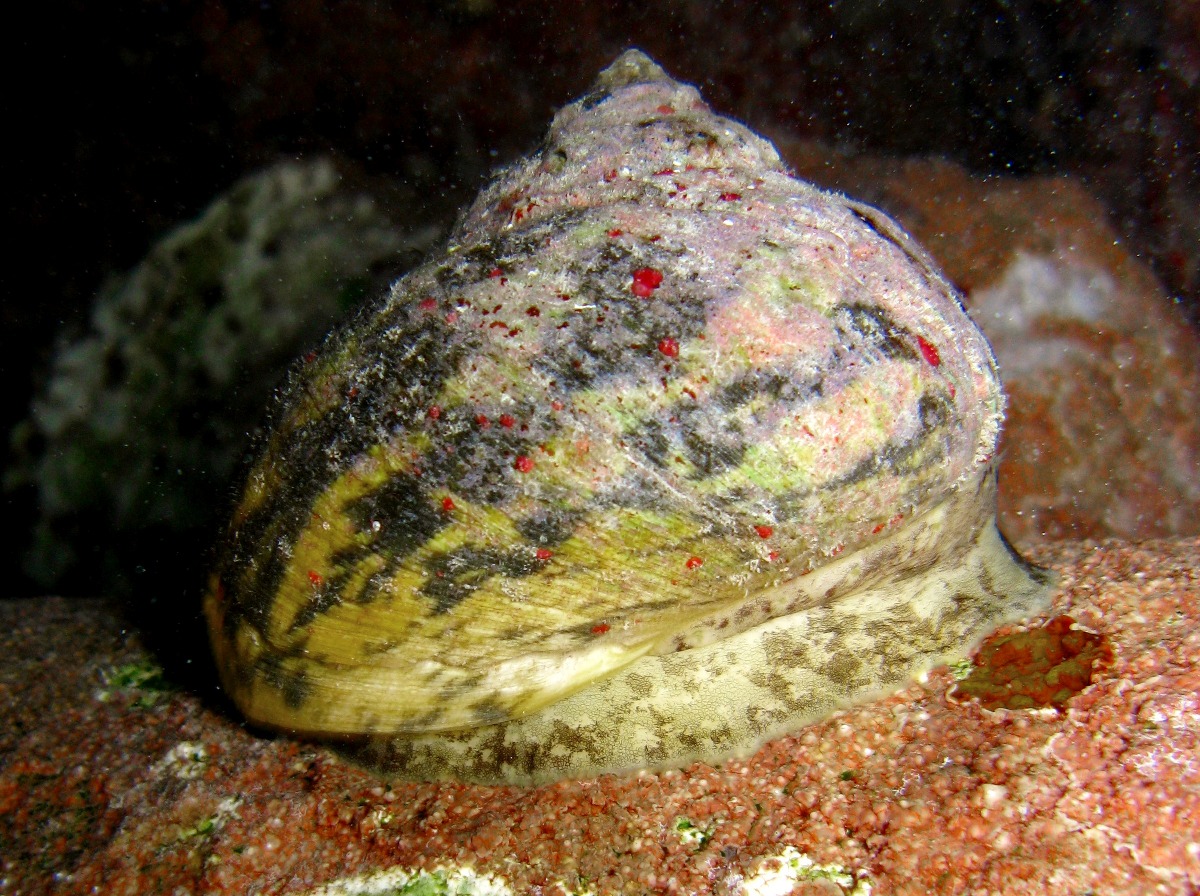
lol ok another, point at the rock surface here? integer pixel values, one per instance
(111, 781)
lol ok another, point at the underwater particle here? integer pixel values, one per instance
(444, 645)
(1044, 666)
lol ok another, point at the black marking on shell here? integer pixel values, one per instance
(776, 385)
(277, 672)
(400, 516)
(934, 411)
(323, 599)
(548, 528)
(455, 575)
(487, 712)
(467, 268)
(1039, 574)
(713, 445)
(418, 359)
(921, 450)
(653, 442)
(590, 101)
(873, 328)
(618, 333)
(400, 513)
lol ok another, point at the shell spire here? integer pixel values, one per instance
(665, 453)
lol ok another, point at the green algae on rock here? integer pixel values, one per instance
(664, 454)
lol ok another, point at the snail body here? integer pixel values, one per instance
(664, 454)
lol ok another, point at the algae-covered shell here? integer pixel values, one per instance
(663, 454)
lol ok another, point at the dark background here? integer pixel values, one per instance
(126, 119)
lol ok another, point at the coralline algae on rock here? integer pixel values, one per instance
(664, 454)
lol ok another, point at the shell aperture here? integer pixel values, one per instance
(663, 454)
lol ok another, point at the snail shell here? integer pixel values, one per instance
(665, 453)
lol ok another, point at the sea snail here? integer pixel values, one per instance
(665, 453)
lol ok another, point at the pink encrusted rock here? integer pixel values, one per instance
(665, 453)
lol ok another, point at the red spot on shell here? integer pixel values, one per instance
(731, 197)
(452, 317)
(764, 531)
(615, 232)
(600, 628)
(694, 562)
(507, 421)
(669, 347)
(434, 412)
(310, 357)
(929, 352)
(533, 311)
(496, 272)
(482, 421)
(645, 281)
(428, 303)
(448, 504)
(543, 554)
(664, 172)
(315, 578)
(773, 556)
(353, 393)
(665, 109)
(523, 463)
(557, 405)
